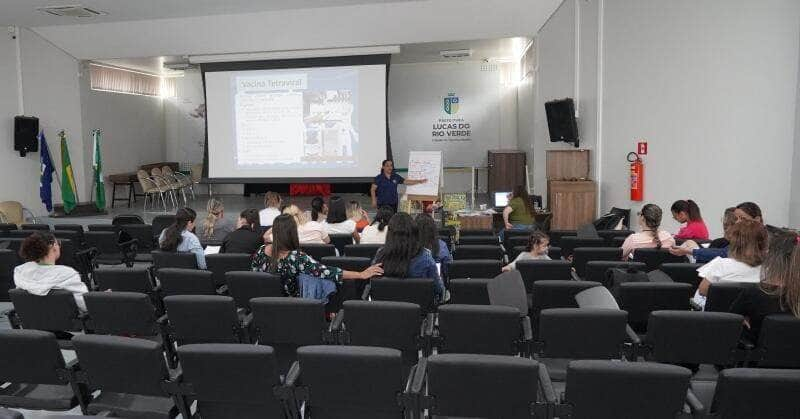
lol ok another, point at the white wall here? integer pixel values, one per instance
(185, 134)
(794, 208)
(712, 86)
(132, 126)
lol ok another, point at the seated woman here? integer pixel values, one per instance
(404, 256)
(284, 258)
(247, 236)
(519, 212)
(717, 248)
(688, 212)
(357, 214)
(272, 209)
(179, 237)
(319, 210)
(215, 226)
(748, 247)
(375, 233)
(538, 246)
(337, 221)
(40, 274)
(429, 236)
(649, 235)
(307, 231)
(779, 290)
(748, 211)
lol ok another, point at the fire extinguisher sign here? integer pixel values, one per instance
(641, 148)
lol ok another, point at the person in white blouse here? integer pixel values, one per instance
(307, 231)
(375, 233)
(337, 221)
(272, 204)
(40, 274)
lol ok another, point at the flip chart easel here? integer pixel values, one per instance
(424, 165)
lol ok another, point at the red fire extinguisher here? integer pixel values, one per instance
(637, 177)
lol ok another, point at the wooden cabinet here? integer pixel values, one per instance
(568, 164)
(572, 203)
(506, 170)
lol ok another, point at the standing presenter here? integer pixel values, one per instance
(384, 186)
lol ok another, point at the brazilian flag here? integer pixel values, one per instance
(68, 186)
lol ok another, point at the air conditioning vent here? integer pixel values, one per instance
(489, 67)
(456, 53)
(71, 11)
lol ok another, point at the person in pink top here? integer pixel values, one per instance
(649, 235)
(688, 212)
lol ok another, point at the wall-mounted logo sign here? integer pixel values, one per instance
(451, 104)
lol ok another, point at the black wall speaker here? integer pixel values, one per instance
(26, 129)
(561, 120)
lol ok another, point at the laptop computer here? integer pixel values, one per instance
(501, 199)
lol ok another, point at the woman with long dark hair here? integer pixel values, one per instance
(179, 237)
(687, 211)
(247, 236)
(519, 212)
(284, 258)
(319, 210)
(404, 255)
(650, 235)
(429, 236)
(337, 221)
(375, 233)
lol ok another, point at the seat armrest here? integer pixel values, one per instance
(222, 290)
(694, 403)
(365, 294)
(247, 319)
(13, 320)
(574, 275)
(336, 324)
(546, 385)
(631, 348)
(293, 375)
(527, 330)
(634, 338)
(417, 378)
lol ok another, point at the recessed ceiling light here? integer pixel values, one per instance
(71, 11)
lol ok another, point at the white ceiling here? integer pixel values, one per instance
(23, 12)
(504, 49)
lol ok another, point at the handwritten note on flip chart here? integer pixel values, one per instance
(424, 165)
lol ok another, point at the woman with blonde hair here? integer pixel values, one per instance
(357, 214)
(272, 204)
(215, 226)
(308, 231)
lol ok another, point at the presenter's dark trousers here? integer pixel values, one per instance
(392, 206)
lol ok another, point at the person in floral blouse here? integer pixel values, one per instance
(284, 258)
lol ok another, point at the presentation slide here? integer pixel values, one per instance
(321, 122)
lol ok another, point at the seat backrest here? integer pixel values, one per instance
(778, 341)
(121, 313)
(221, 263)
(744, 393)
(389, 324)
(68, 249)
(19, 233)
(653, 258)
(104, 241)
(55, 311)
(469, 291)
(693, 337)
(177, 281)
(162, 259)
(37, 227)
(160, 222)
(610, 235)
(477, 240)
(75, 236)
(143, 233)
(472, 232)
(134, 279)
(123, 219)
(339, 241)
(543, 270)
(478, 251)
(595, 270)
(362, 250)
(474, 268)
(368, 380)
(557, 235)
(639, 299)
(288, 320)
(104, 359)
(243, 286)
(582, 255)
(103, 227)
(419, 291)
(68, 227)
(479, 329)
(612, 389)
(348, 263)
(246, 389)
(30, 356)
(683, 272)
(582, 333)
(507, 289)
(8, 260)
(318, 251)
(7, 227)
(570, 243)
(722, 294)
(203, 319)
(557, 294)
(466, 385)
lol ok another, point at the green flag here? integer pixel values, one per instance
(68, 186)
(97, 166)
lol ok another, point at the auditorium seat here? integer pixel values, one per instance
(543, 270)
(778, 342)
(744, 393)
(160, 222)
(553, 252)
(362, 250)
(162, 259)
(610, 235)
(489, 386)
(469, 291)
(243, 286)
(221, 263)
(722, 294)
(478, 251)
(419, 291)
(597, 270)
(510, 242)
(389, 324)
(6, 227)
(555, 294)
(351, 289)
(286, 323)
(56, 311)
(653, 258)
(204, 319)
(469, 232)
(569, 243)
(477, 240)
(74, 236)
(126, 219)
(639, 299)
(481, 329)
(105, 360)
(582, 255)
(255, 391)
(128, 280)
(36, 227)
(177, 281)
(683, 272)
(474, 268)
(8, 261)
(556, 235)
(106, 242)
(317, 250)
(145, 242)
(354, 382)
(34, 368)
(339, 241)
(20, 234)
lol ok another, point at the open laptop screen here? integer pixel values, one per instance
(501, 199)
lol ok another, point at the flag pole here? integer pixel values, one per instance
(91, 191)
(62, 135)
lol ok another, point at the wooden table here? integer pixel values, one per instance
(123, 179)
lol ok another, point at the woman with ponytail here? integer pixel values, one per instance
(179, 237)
(779, 289)
(687, 211)
(215, 226)
(375, 233)
(650, 235)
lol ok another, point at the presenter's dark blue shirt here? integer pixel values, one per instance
(386, 191)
